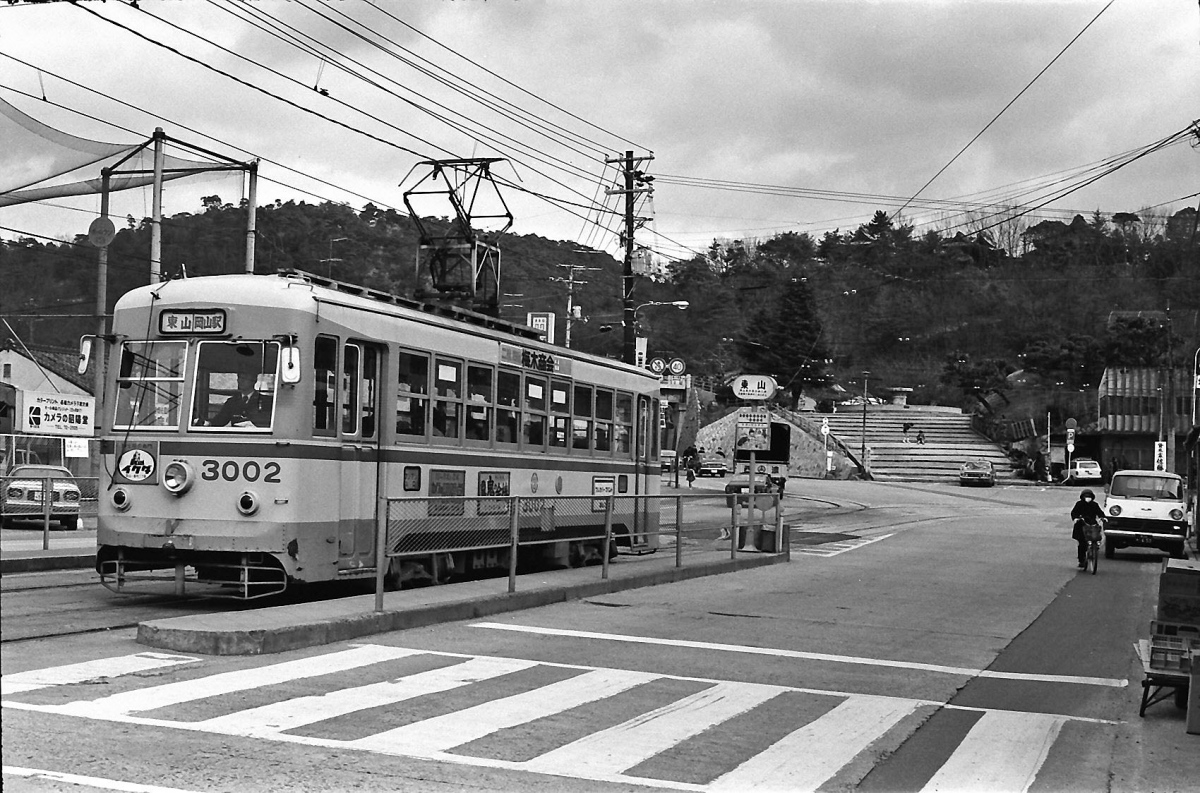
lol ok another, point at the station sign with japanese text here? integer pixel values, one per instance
(754, 386)
(207, 322)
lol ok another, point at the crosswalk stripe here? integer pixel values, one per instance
(146, 699)
(808, 757)
(1003, 751)
(88, 670)
(623, 746)
(441, 733)
(277, 717)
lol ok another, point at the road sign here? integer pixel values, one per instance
(676, 366)
(657, 365)
(754, 386)
(824, 426)
(1070, 440)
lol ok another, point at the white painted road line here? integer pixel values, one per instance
(88, 670)
(278, 717)
(1003, 751)
(228, 682)
(623, 746)
(442, 733)
(841, 659)
(89, 781)
(813, 754)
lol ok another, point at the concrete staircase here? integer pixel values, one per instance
(949, 442)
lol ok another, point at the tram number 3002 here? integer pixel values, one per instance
(232, 471)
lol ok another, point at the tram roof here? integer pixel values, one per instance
(275, 290)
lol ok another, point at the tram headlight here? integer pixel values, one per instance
(178, 477)
(120, 499)
(247, 503)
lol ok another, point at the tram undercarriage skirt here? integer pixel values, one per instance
(241, 576)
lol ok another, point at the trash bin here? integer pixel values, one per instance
(766, 539)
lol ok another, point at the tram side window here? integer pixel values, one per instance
(151, 384)
(325, 352)
(412, 394)
(235, 385)
(479, 403)
(602, 441)
(535, 412)
(623, 429)
(560, 398)
(350, 383)
(447, 405)
(508, 394)
(581, 424)
(367, 391)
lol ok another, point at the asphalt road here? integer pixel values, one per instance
(939, 639)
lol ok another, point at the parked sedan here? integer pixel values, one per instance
(1083, 470)
(712, 466)
(976, 472)
(24, 487)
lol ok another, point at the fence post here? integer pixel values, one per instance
(381, 558)
(782, 536)
(608, 510)
(733, 528)
(514, 542)
(47, 493)
(679, 531)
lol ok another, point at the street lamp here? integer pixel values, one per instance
(331, 260)
(679, 304)
(864, 419)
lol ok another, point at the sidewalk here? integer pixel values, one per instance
(279, 628)
(22, 551)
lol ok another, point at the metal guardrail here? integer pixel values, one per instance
(61, 501)
(494, 530)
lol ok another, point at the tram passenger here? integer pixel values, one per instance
(246, 408)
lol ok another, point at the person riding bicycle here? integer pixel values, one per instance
(1085, 512)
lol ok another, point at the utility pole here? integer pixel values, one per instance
(632, 178)
(570, 282)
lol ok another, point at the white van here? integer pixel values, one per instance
(1145, 509)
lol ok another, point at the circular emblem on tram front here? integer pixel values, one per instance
(533, 482)
(136, 465)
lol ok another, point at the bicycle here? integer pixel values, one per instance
(1092, 532)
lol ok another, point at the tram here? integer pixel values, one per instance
(260, 424)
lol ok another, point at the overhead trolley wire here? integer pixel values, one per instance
(1011, 102)
(423, 35)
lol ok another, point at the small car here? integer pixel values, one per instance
(667, 459)
(1083, 470)
(1146, 509)
(712, 466)
(23, 493)
(977, 472)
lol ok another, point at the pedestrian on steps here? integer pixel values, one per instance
(920, 437)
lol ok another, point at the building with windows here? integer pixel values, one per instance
(1139, 406)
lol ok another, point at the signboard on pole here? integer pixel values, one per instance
(65, 415)
(1070, 440)
(753, 430)
(1160, 455)
(542, 321)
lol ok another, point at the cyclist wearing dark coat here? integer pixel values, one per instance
(1086, 510)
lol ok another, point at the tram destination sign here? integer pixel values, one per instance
(206, 322)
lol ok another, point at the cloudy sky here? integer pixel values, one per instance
(762, 116)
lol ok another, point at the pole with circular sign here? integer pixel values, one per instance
(753, 435)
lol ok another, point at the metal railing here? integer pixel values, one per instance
(30, 501)
(443, 536)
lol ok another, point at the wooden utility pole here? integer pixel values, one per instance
(571, 282)
(632, 178)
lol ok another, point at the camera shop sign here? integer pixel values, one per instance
(68, 415)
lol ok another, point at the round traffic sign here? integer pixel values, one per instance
(676, 366)
(657, 365)
(101, 232)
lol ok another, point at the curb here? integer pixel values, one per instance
(197, 634)
(38, 564)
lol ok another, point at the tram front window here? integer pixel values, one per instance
(235, 386)
(150, 385)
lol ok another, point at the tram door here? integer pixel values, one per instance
(645, 452)
(359, 454)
